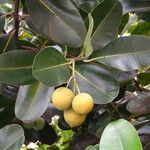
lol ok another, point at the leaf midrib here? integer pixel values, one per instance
(120, 54)
(14, 142)
(119, 138)
(92, 84)
(104, 20)
(52, 67)
(15, 68)
(58, 17)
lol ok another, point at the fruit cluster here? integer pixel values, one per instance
(75, 107)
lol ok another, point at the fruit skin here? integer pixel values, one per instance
(82, 103)
(72, 118)
(39, 124)
(28, 125)
(62, 98)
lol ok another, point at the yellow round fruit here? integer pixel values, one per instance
(82, 103)
(72, 118)
(62, 98)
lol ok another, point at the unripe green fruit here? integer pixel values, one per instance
(39, 124)
(62, 98)
(28, 125)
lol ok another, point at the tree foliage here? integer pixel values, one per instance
(99, 47)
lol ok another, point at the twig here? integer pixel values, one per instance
(16, 17)
(30, 48)
(77, 59)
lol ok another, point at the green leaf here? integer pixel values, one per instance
(142, 29)
(144, 78)
(50, 67)
(87, 46)
(125, 53)
(139, 104)
(32, 26)
(32, 101)
(98, 123)
(4, 102)
(88, 5)
(16, 67)
(124, 23)
(25, 44)
(97, 82)
(8, 42)
(59, 21)
(107, 17)
(144, 16)
(120, 135)
(6, 111)
(2, 87)
(2, 22)
(135, 6)
(11, 137)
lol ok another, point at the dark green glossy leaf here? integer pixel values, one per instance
(4, 102)
(2, 87)
(139, 104)
(125, 53)
(144, 16)
(16, 67)
(120, 135)
(32, 101)
(121, 76)
(142, 29)
(25, 44)
(50, 67)
(89, 5)
(98, 124)
(32, 26)
(131, 25)
(144, 78)
(135, 6)
(124, 22)
(107, 17)
(101, 123)
(97, 82)
(80, 141)
(59, 21)
(2, 21)
(11, 137)
(80, 2)
(6, 111)
(8, 42)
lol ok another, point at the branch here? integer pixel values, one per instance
(16, 17)
(30, 48)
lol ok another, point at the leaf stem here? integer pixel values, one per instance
(69, 81)
(66, 50)
(73, 74)
(75, 86)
